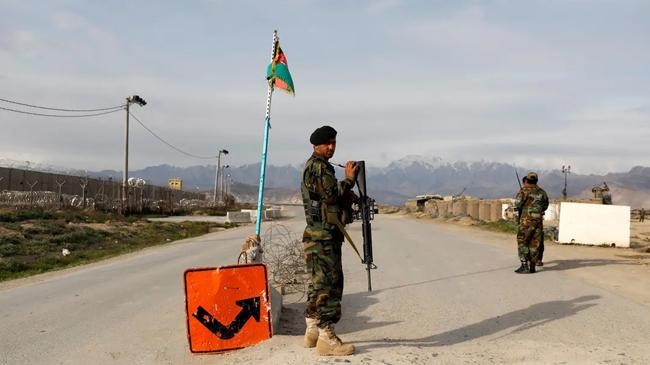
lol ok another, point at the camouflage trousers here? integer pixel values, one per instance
(325, 288)
(530, 236)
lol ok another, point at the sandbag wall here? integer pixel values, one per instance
(485, 210)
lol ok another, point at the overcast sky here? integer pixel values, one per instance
(536, 83)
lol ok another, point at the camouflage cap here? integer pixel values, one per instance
(532, 177)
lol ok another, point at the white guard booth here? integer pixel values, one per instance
(594, 224)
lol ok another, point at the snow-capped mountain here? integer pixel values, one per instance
(37, 166)
(399, 180)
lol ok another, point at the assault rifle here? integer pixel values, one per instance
(363, 209)
(517, 208)
(365, 212)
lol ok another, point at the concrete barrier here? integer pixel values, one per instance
(272, 213)
(594, 224)
(553, 212)
(253, 214)
(286, 213)
(238, 217)
(276, 309)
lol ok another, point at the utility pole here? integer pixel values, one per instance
(125, 174)
(217, 174)
(216, 177)
(565, 170)
(222, 183)
(228, 184)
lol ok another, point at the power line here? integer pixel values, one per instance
(61, 109)
(169, 144)
(60, 115)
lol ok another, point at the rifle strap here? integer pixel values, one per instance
(347, 237)
(332, 217)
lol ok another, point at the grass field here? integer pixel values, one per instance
(33, 241)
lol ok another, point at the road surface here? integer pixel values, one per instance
(440, 296)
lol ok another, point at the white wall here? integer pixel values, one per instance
(553, 212)
(594, 224)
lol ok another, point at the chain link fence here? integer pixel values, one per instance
(22, 189)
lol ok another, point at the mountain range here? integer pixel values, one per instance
(405, 178)
(414, 175)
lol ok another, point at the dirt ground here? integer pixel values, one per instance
(640, 236)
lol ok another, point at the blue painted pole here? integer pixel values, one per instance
(265, 146)
(260, 196)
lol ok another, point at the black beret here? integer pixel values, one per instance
(322, 135)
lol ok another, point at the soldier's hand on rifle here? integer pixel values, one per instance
(352, 197)
(351, 169)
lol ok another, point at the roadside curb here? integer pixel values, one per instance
(276, 309)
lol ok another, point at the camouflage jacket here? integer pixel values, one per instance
(531, 203)
(320, 188)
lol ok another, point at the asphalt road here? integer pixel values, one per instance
(439, 297)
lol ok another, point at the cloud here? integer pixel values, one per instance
(467, 40)
(382, 6)
(74, 23)
(21, 42)
(485, 80)
(68, 21)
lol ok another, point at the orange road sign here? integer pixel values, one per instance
(227, 307)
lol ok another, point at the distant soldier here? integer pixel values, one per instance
(607, 195)
(531, 203)
(641, 215)
(323, 199)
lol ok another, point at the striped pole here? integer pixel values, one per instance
(265, 145)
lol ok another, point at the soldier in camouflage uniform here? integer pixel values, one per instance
(531, 203)
(321, 192)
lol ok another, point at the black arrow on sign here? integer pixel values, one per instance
(249, 308)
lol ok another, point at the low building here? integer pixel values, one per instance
(175, 183)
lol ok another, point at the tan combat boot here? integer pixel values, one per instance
(311, 334)
(329, 344)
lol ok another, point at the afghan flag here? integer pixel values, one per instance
(278, 71)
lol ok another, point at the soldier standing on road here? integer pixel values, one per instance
(531, 203)
(641, 215)
(322, 193)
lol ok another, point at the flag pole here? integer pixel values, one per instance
(265, 145)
